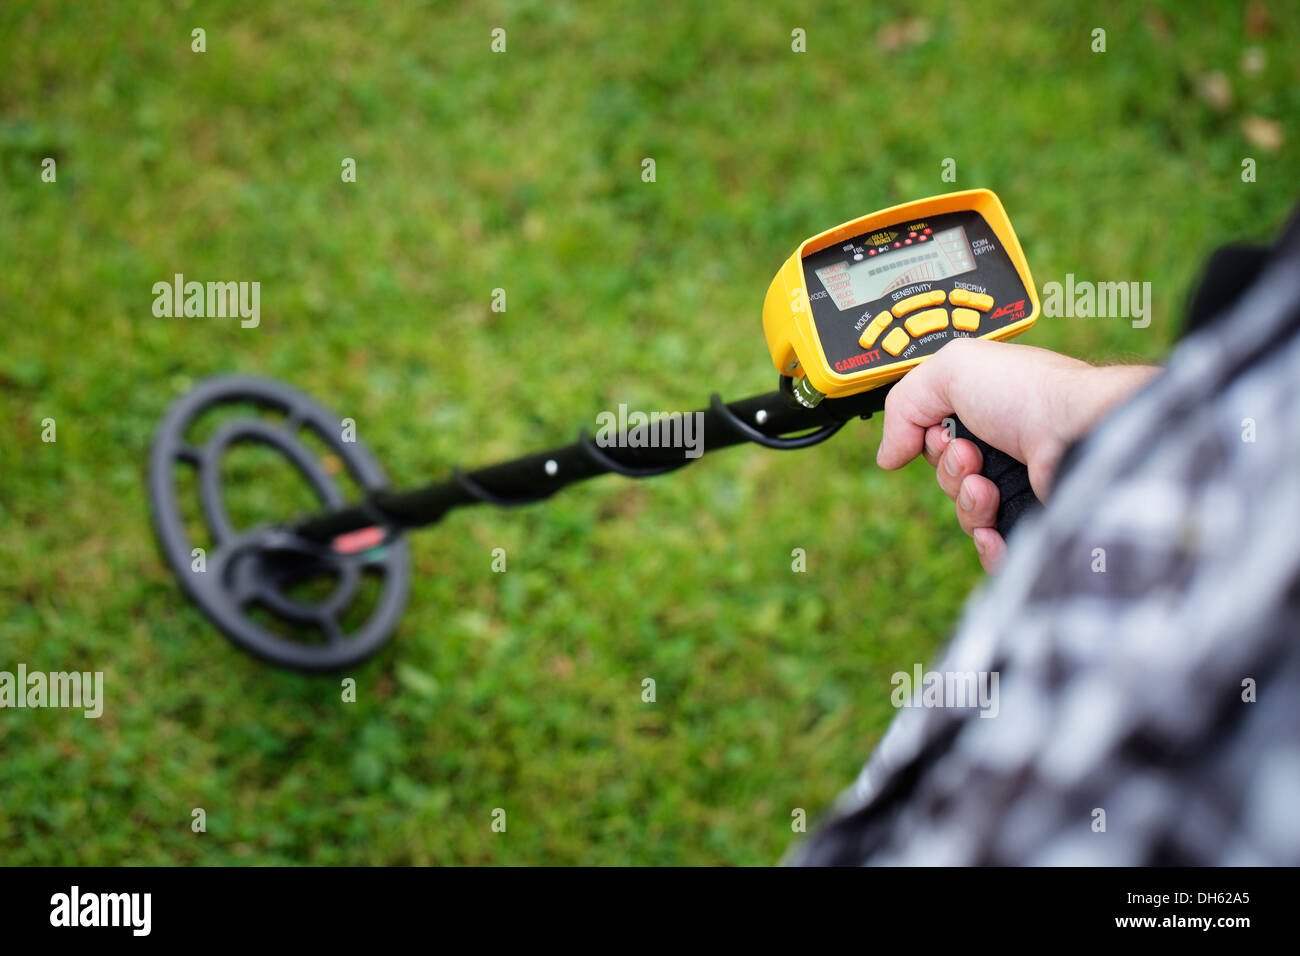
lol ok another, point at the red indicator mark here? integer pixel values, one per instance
(362, 539)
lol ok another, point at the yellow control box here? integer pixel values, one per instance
(856, 306)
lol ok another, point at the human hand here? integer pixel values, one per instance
(1029, 402)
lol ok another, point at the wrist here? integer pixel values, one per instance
(1098, 391)
(1082, 397)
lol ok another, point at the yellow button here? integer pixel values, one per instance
(922, 300)
(968, 320)
(872, 331)
(895, 341)
(975, 300)
(923, 323)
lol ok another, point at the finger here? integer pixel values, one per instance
(936, 442)
(977, 504)
(917, 401)
(960, 458)
(901, 438)
(991, 549)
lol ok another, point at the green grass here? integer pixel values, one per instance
(477, 171)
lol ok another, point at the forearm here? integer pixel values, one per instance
(1078, 398)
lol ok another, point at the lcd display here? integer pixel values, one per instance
(850, 284)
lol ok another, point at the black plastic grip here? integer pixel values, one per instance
(1011, 477)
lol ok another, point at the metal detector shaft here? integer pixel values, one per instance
(762, 419)
(248, 584)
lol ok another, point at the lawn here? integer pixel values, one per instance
(522, 171)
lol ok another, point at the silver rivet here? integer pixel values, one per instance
(760, 416)
(552, 466)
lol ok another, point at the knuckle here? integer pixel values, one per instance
(955, 347)
(892, 399)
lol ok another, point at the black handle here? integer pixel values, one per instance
(1011, 477)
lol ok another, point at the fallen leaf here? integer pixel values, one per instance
(1159, 25)
(1263, 132)
(1258, 20)
(1216, 90)
(1253, 60)
(561, 667)
(902, 34)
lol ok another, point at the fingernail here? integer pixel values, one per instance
(950, 464)
(964, 499)
(979, 548)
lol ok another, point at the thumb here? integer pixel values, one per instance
(920, 400)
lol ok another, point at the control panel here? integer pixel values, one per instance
(858, 305)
